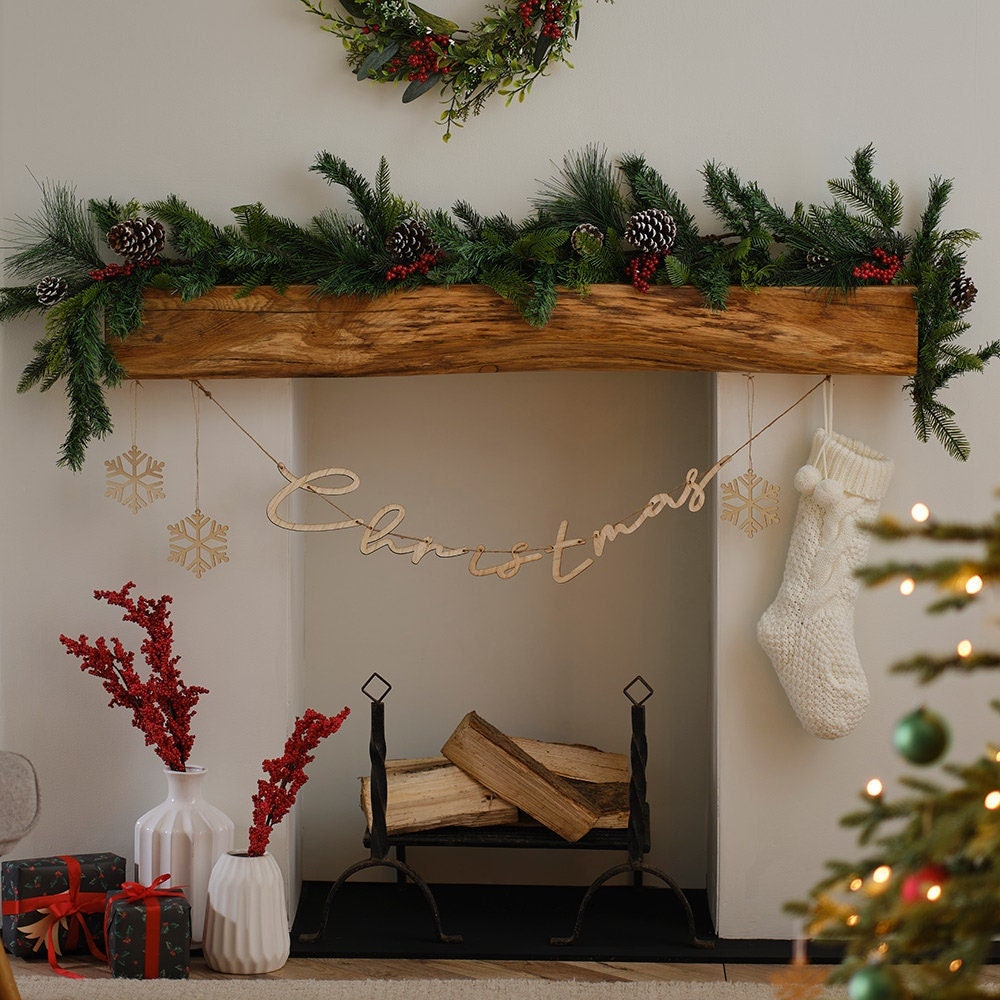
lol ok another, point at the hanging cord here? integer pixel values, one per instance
(283, 469)
(196, 400)
(821, 462)
(751, 400)
(134, 420)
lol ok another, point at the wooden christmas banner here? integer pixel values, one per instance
(381, 531)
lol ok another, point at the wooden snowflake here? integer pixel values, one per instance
(134, 479)
(747, 508)
(198, 543)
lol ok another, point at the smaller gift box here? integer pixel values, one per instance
(54, 906)
(147, 931)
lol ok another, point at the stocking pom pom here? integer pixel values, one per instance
(807, 479)
(828, 493)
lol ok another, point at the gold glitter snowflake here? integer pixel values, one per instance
(747, 508)
(198, 543)
(134, 479)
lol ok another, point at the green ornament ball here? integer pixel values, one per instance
(872, 982)
(921, 737)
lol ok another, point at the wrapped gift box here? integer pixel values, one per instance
(54, 906)
(148, 932)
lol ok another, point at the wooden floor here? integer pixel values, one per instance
(366, 968)
(596, 972)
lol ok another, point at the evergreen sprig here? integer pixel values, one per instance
(523, 261)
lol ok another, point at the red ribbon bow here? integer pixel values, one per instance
(58, 909)
(136, 892)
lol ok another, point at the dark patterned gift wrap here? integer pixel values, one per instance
(53, 906)
(148, 932)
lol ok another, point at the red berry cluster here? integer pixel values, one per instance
(163, 704)
(420, 266)
(121, 270)
(551, 16)
(886, 269)
(640, 269)
(423, 60)
(369, 28)
(287, 774)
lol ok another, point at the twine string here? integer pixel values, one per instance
(196, 400)
(134, 419)
(546, 549)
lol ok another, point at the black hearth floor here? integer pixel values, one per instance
(387, 920)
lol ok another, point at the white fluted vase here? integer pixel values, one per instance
(184, 835)
(246, 920)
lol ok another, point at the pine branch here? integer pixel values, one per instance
(584, 190)
(58, 240)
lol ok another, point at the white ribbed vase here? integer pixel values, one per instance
(184, 835)
(246, 921)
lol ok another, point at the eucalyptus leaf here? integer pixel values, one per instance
(542, 46)
(376, 60)
(352, 8)
(419, 87)
(439, 25)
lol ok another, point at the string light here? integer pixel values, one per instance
(882, 874)
(920, 512)
(964, 649)
(853, 920)
(874, 788)
(907, 586)
(992, 800)
(855, 884)
(934, 893)
(974, 584)
(882, 948)
(954, 965)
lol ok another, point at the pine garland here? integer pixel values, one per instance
(575, 237)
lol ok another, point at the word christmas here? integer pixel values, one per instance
(381, 531)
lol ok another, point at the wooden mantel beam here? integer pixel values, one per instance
(468, 328)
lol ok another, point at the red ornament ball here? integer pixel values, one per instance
(915, 885)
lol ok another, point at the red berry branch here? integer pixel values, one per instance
(288, 774)
(163, 704)
(883, 272)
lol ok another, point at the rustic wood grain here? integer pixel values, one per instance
(468, 328)
(431, 792)
(496, 761)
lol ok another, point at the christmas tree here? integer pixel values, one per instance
(917, 914)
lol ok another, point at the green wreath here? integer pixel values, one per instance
(504, 53)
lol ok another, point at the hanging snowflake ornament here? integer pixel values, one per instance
(134, 479)
(750, 503)
(198, 543)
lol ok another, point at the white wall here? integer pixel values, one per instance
(228, 102)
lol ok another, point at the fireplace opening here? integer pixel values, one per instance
(490, 790)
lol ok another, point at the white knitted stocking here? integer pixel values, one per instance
(808, 632)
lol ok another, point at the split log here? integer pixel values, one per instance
(497, 762)
(430, 792)
(574, 760)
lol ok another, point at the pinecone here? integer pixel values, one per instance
(963, 292)
(358, 231)
(652, 230)
(585, 235)
(136, 240)
(410, 240)
(816, 259)
(51, 290)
